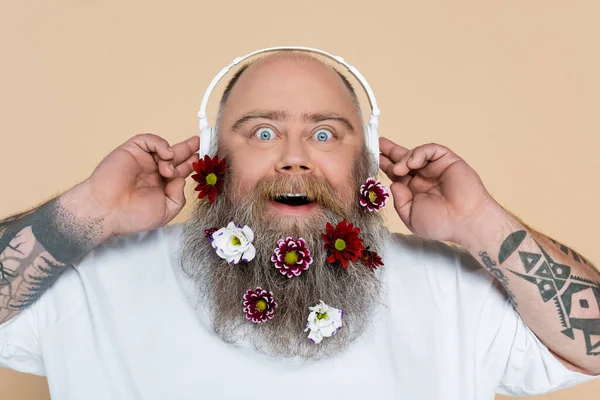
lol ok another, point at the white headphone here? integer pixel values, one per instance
(208, 134)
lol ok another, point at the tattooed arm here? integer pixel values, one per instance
(555, 290)
(137, 187)
(37, 246)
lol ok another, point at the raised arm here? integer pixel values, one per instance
(555, 290)
(137, 187)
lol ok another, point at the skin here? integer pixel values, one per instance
(140, 186)
(279, 85)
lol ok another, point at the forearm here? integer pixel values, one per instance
(555, 290)
(37, 246)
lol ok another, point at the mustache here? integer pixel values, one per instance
(316, 189)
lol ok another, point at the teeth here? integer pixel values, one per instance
(295, 195)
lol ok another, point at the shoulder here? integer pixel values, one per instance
(444, 264)
(116, 266)
(137, 245)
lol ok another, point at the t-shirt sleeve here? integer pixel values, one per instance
(509, 354)
(19, 343)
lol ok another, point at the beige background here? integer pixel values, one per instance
(512, 86)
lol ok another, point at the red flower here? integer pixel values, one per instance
(343, 243)
(259, 305)
(371, 259)
(291, 257)
(209, 175)
(373, 195)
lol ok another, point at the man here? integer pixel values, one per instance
(270, 289)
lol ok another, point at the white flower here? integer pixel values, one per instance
(323, 321)
(234, 243)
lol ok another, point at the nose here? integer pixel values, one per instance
(294, 158)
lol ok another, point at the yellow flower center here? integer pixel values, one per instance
(291, 257)
(339, 244)
(211, 179)
(261, 305)
(235, 241)
(321, 316)
(372, 196)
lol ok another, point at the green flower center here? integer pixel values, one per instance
(235, 241)
(339, 244)
(291, 257)
(211, 179)
(261, 305)
(372, 196)
(321, 316)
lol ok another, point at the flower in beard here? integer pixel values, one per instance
(209, 175)
(373, 195)
(291, 257)
(209, 232)
(323, 321)
(234, 243)
(371, 259)
(259, 305)
(342, 243)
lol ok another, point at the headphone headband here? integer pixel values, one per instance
(207, 133)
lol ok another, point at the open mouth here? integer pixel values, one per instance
(293, 199)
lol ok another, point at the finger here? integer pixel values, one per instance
(185, 149)
(153, 144)
(419, 157)
(387, 167)
(403, 199)
(174, 190)
(391, 150)
(166, 168)
(184, 169)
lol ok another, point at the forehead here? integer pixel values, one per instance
(297, 85)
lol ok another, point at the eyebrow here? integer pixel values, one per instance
(278, 115)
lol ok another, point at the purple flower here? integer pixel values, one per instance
(373, 195)
(259, 305)
(291, 257)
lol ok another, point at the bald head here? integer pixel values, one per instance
(282, 58)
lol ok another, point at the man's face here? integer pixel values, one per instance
(290, 126)
(290, 118)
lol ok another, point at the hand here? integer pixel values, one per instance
(139, 186)
(436, 193)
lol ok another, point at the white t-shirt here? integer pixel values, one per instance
(122, 325)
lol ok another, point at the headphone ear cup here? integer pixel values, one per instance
(367, 129)
(372, 142)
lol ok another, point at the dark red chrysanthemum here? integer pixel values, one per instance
(343, 243)
(259, 305)
(291, 257)
(373, 195)
(209, 232)
(209, 175)
(371, 259)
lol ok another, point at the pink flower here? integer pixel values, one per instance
(291, 257)
(259, 305)
(373, 195)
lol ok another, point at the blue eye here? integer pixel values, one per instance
(323, 135)
(265, 134)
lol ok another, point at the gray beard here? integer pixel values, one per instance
(220, 286)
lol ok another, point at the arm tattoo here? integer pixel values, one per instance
(577, 299)
(491, 266)
(35, 248)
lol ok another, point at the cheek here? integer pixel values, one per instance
(340, 174)
(247, 170)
